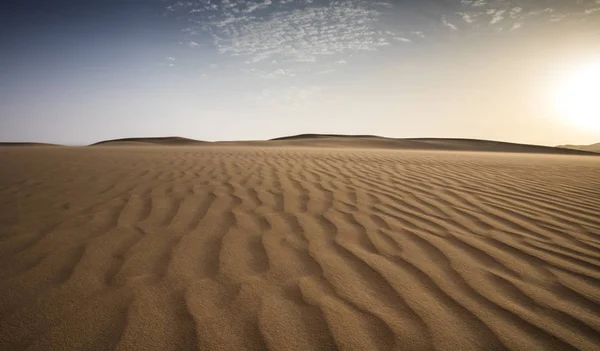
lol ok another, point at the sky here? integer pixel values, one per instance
(78, 72)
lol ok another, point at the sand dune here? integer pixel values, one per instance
(589, 148)
(369, 141)
(358, 141)
(177, 141)
(249, 248)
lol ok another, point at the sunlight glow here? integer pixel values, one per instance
(577, 96)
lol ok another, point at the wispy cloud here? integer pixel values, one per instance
(592, 10)
(310, 30)
(301, 35)
(403, 40)
(278, 73)
(448, 24)
(511, 15)
(497, 15)
(325, 32)
(287, 30)
(270, 74)
(327, 71)
(467, 17)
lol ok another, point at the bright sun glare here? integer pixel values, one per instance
(577, 96)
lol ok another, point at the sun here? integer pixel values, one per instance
(577, 96)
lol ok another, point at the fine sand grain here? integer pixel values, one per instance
(247, 248)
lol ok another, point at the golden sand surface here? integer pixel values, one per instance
(255, 248)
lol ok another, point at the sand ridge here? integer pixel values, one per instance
(361, 142)
(589, 148)
(243, 248)
(151, 141)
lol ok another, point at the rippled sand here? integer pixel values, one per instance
(244, 248)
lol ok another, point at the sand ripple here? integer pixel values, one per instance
(297, 249)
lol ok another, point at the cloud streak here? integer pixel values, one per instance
(287, 34)
(286, 30)
(510, 15)
(311, 30)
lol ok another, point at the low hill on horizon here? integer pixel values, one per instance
(171, 140)
(589, 148)
(448, 144)
(354, 141)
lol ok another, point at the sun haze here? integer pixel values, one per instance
(577, 95)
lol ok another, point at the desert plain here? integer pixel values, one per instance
(246, 246)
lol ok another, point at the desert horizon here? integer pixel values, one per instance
(360, 141)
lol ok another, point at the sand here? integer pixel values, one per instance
(282, 248)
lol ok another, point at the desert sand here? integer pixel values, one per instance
(249, 247)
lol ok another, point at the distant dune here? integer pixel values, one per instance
(150, 141)
(590, 148)
(325, 136)
(359, 141)
(370, 141)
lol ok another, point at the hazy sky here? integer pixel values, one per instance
(76, 72)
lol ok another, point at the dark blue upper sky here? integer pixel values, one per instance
(76, 72)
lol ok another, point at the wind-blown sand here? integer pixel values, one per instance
(247, 248)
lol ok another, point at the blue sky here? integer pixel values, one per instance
(76, 72)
